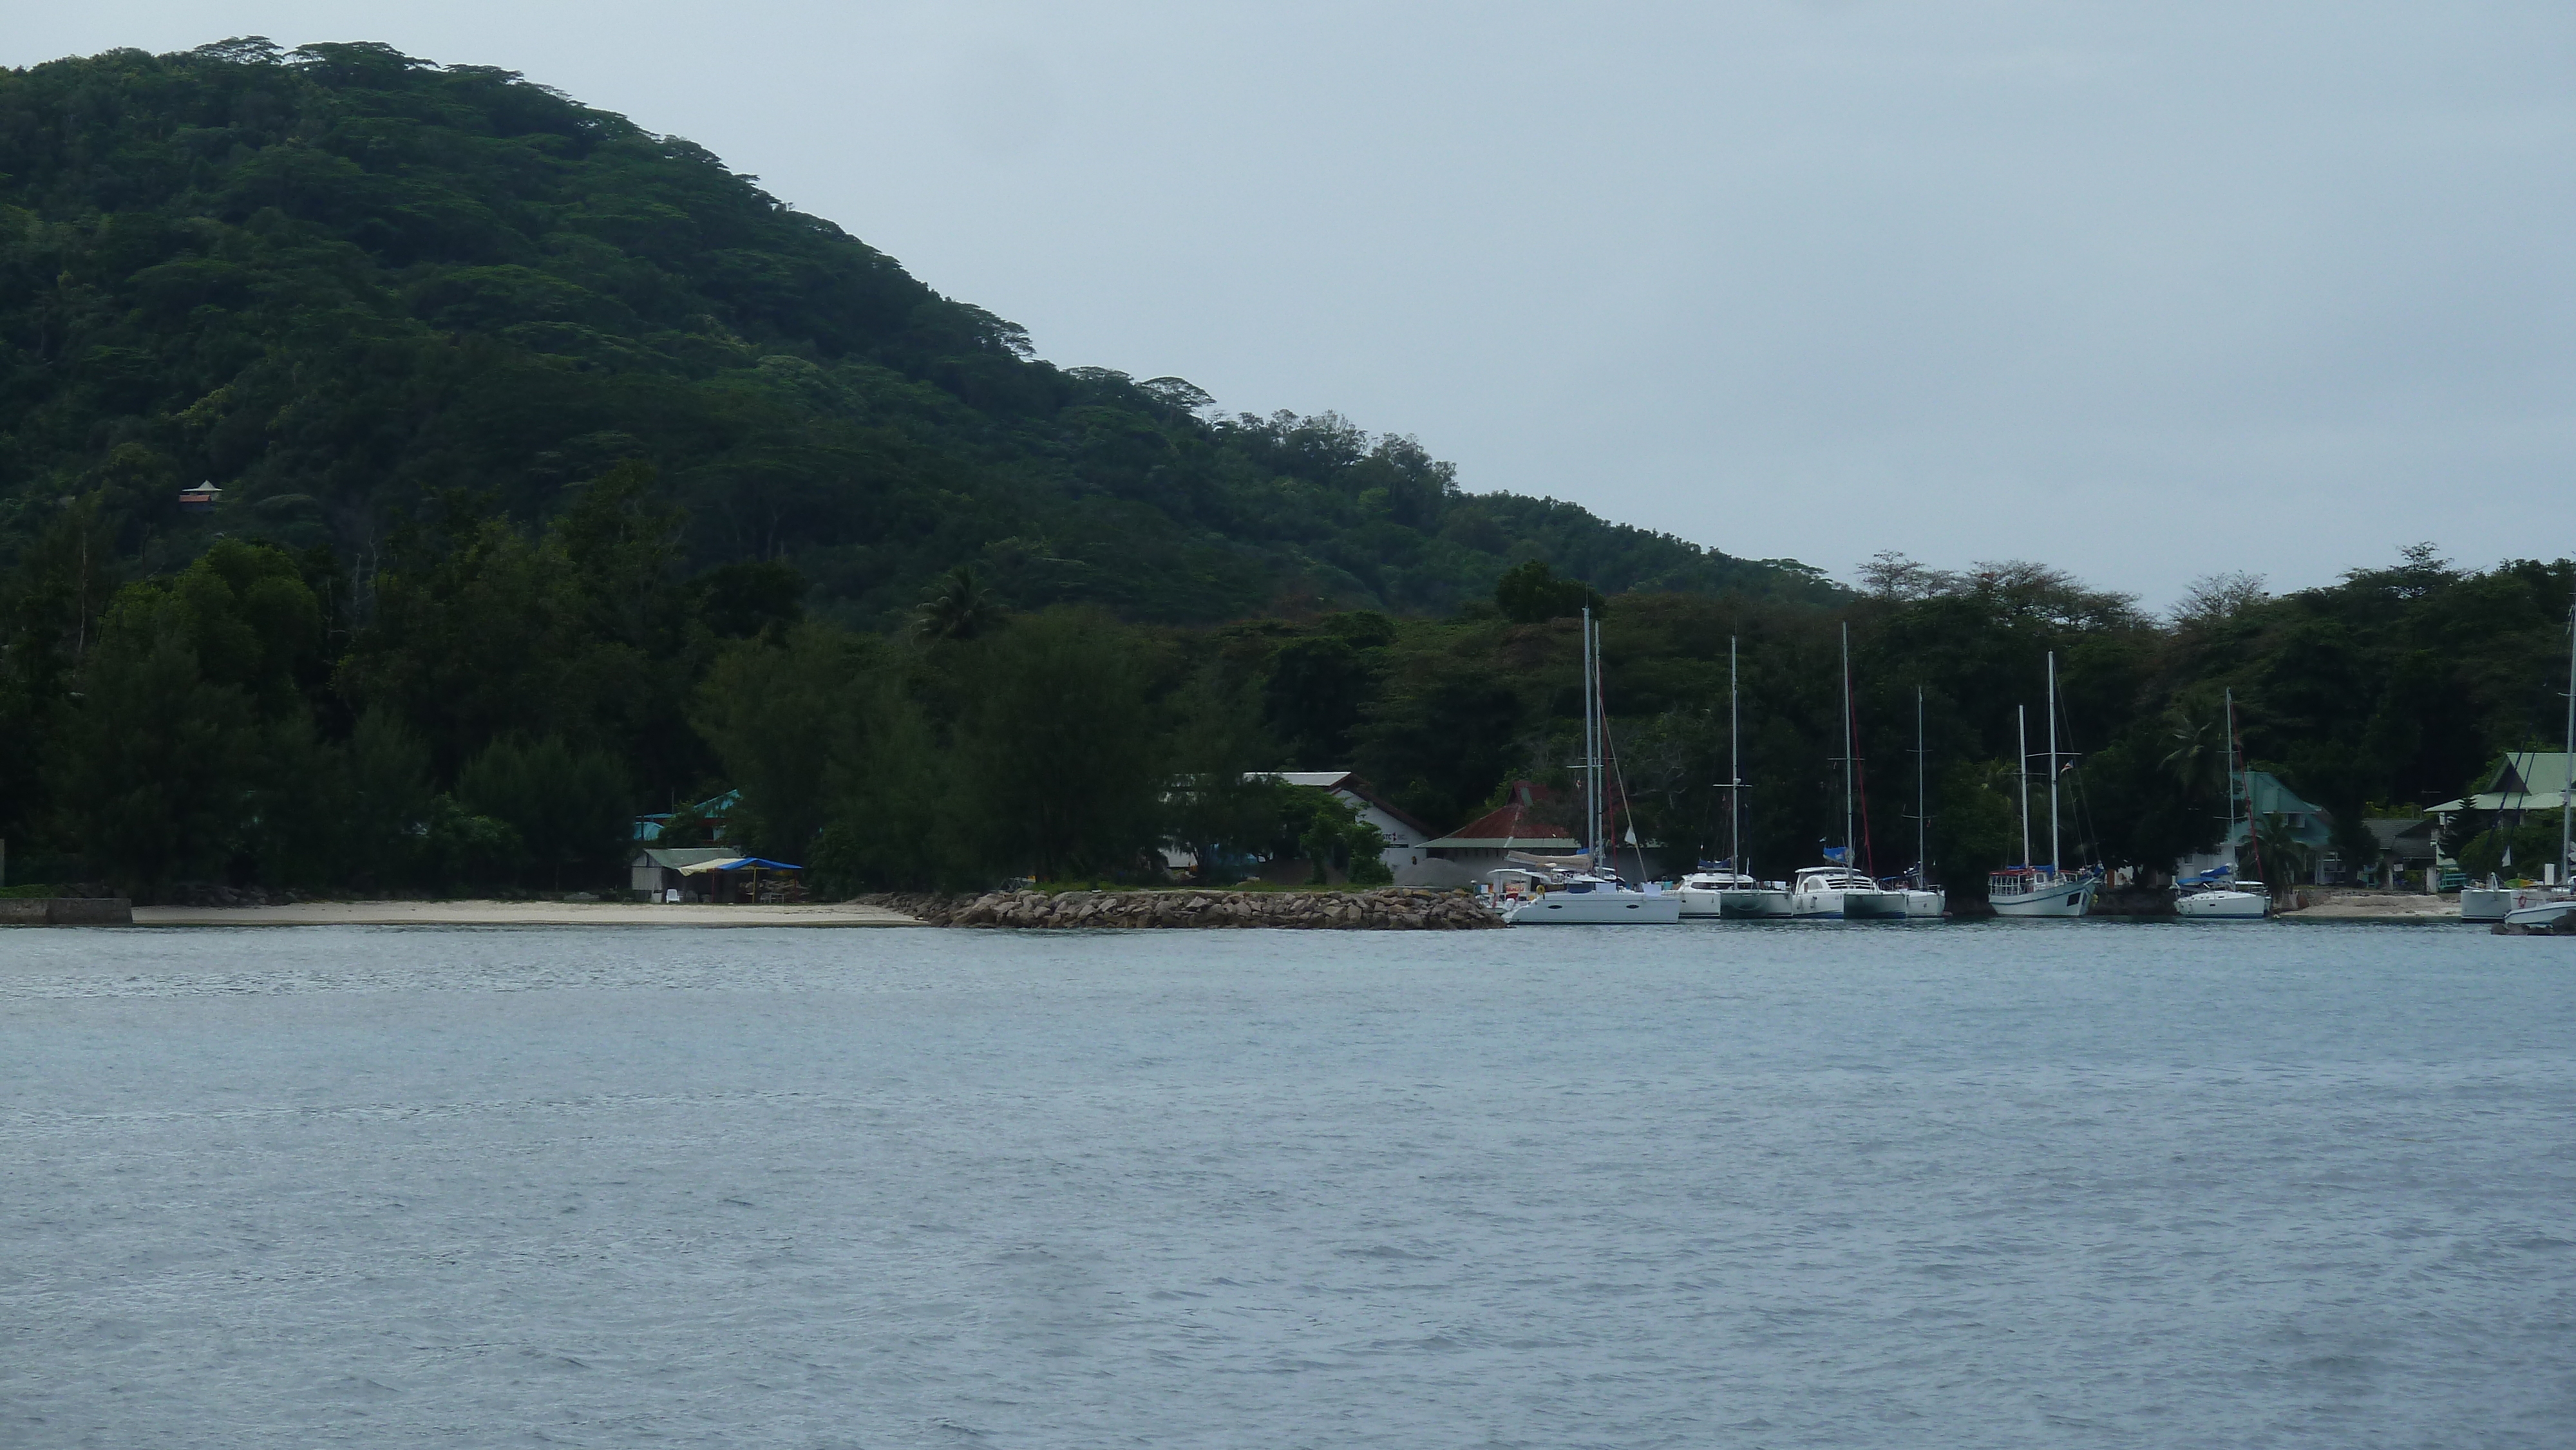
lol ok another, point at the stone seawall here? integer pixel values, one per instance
(66, 911)
(1391, 909)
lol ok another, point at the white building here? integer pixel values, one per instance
(1404, 835)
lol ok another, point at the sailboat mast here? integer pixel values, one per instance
(2567, 766)
(1847, 749)
(2231, 771)
(1735, 768)
(2021, 772)
(1591, 754)
(2253, 836)
(1922, 822)
(2052, 761)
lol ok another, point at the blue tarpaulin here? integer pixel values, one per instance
(739, 863)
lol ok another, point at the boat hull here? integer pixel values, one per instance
(2486, 903)
(1842, 903)
(2072, 898)
(1763, 904)
(2541, 913)
(1874, 906)
(1924, 905)
(2223, 906)
(1597, 908)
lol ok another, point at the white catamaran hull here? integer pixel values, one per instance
(1924, 905)
(1597, 908)
(2072, 898)
(1704, 893)
(1842, 903)
(1768, 903)
(2223, 906)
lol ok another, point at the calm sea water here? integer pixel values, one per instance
(2038, 1184)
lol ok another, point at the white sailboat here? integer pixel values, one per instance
(2030, 890)
(1588, 892)
(1726, 889)
(2225, 898)
(1837, 891)
(1923, 900)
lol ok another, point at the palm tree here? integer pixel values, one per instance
(2197, 762)
(957, 608)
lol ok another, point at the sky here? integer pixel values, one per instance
(2147, 292)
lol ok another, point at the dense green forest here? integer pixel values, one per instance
(566, 474)
(341, 283)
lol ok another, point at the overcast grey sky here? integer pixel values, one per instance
(2147, 291)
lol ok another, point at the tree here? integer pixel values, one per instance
(154, 769)
(571, 810)
(779, 714)
(1532, 593)
(957, 608)
(1057, 767)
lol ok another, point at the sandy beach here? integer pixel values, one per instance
(517, 913)
(2333, 905)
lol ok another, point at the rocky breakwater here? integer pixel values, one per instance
(1392, 909)
(66, 911)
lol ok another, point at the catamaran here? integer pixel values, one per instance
(1837, 891)
(1587, 891)
(2216, 895)
(2029, 890)
(1725, 888)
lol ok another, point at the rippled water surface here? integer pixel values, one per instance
(2033, 1184)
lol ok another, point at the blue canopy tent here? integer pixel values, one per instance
(724, 868)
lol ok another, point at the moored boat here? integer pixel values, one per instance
(1769, 901)
(2033, 891)
(2028, 890)
(1703, 892)
(2216, 895)
(1583, 900)
(1583, 890)
(2224, 901)
(1838, 893)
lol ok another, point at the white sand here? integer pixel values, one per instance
(2332, 905)
(516, 913)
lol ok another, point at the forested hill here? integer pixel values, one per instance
(339, 282)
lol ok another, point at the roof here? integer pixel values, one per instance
(1347, 783)
(681, 858)
(727, 862)
(2526, 780)
(2266, 796)
(2402, 835)
(1515, 824)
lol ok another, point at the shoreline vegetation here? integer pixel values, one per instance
(409, 477)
